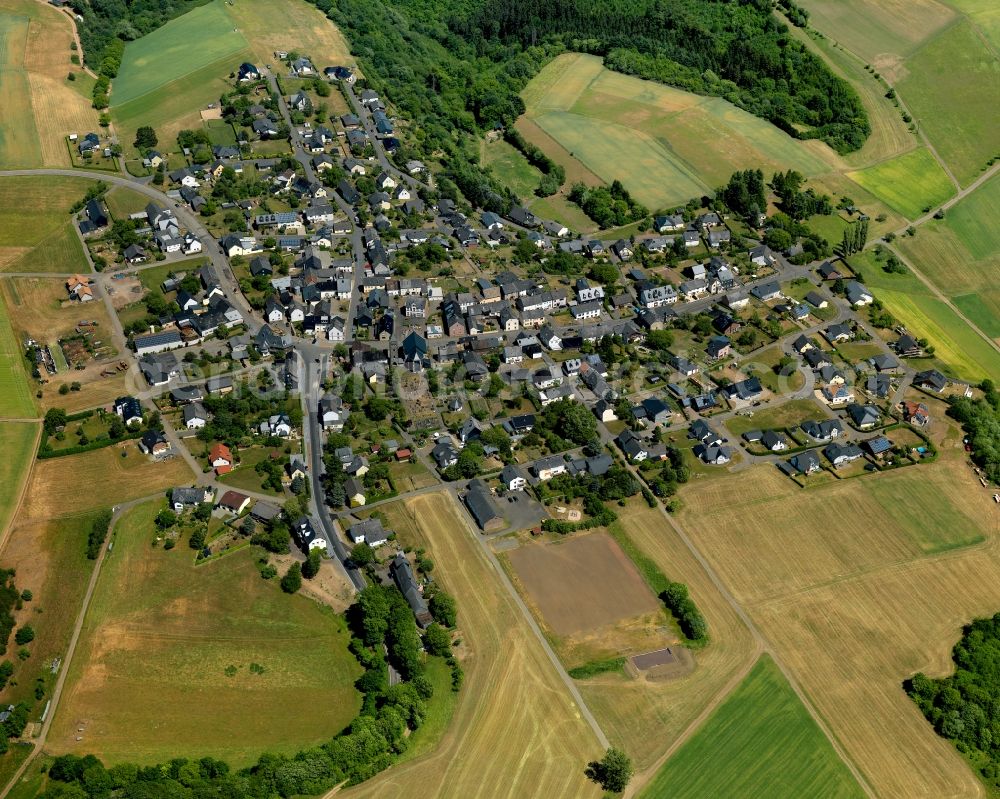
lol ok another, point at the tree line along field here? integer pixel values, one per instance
(858, 584)
(515, 729)
(41, 106)
(152, 680)
(760, 741)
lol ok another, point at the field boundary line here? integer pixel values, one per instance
(574, 691)
(5, 533)
(766, 647)
(643, 778)
(81, 618)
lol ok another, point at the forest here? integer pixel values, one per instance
(460, 65)
(964, 706)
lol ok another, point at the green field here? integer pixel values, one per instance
(159, 638)
(908, 183)
(952, 86)
(17, 439)
(665, 144)
(15, 395)
(184, 45)
(512, 168)
(36, 232)
(18, 136)
(760, 742)
(123, 201)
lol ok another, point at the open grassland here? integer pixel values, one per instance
(961, 255)
(123, 201)
(15, 396)
(41, 107)
(909, 183)
(760, 742)
(963, 352)
(645, 716)
(882, 32)
(985, 14)
(665, 144)
(270, 25)
(952, 85)
(36, 232)
(158, 639)
(515, 728)
(202, 36)
(857, 585)
(511, 167)
(98, 479)
(17, 441)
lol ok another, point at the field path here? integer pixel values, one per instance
(76, 36)
(64, 668)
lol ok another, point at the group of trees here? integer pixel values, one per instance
(98, 532)
(746, 194)
(678, 601)
(855, 237)
(609, 206)
(379, 618)
(795, 201)
(980, 419)
(963, 706)
(566, 423)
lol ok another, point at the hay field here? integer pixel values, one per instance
(149, 679)
(122, 201)
(880, 31)
(18, 442)
(952, 86)
(15, 396)
(515, 731)
(202, 36)
(36, 232)
(908, 183)
(646, 716)
(582, 582)
(852, 607)
(270, 25)
(760, 742)
(511, 167)
(665, 144)
(41, 107)
(98, 479)
(961, 255)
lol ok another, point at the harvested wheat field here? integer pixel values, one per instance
(270, 25)
(98, 479)
(853, 606)
(516, 731)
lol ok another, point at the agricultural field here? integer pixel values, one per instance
(184, 45)
(960, 350)
(123, 201)
(36, 232)
(761, 741)
(288, 25)
(952, 85)
(98, 479)
(159, 641)
(17, 440)
(514, 723)
(961, 256)
(909, 183)
(15, 396)
(590, 598)
(838, 596)
(41, 106)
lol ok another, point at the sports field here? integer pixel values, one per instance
(852, 607)
(158, 640)
(99, 478)
(908, 183)
(514, 725)
(760, 742)
(40, 106)
(17, 441)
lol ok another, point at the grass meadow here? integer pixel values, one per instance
(512, 168)
(36, 232)
(17, 439)
(760, 741)
(908, 183)
(158, 642)
(15, 396)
